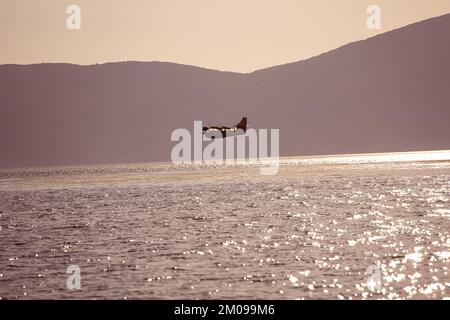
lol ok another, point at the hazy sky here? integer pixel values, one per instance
(235, 35)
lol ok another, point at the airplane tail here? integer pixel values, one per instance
(243, 124)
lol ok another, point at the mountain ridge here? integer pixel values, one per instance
(429, 20)
(386, 93)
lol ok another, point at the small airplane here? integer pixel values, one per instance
(223, 131)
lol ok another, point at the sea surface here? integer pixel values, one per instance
(371, 226)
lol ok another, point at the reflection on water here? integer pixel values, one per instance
(343, 227)
(442, 155)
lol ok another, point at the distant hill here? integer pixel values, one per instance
(387, 93)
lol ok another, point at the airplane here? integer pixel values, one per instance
(223, 131)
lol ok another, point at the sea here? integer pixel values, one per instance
(366, 226)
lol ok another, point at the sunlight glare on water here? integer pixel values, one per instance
(337, 227)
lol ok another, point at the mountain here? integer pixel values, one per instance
(390, 92)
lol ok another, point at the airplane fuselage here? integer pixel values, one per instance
(223, 131)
